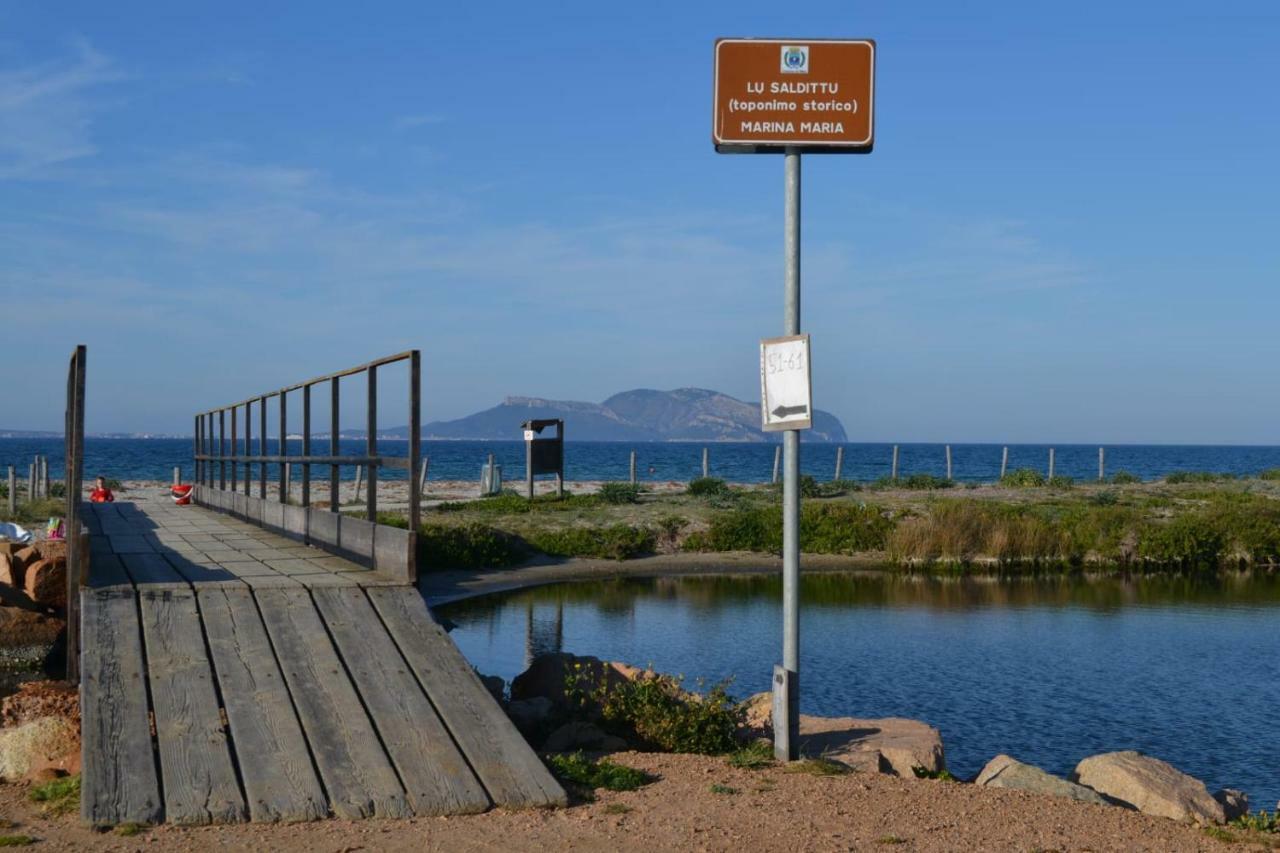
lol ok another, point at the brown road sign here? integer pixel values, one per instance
(809, 95)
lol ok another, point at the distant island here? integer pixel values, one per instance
(685, 414)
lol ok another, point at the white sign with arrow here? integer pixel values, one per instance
(786, 387)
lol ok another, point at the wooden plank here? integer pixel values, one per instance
(510, 771)
(354, 767)
(279, 779)
(200, 783)
(119, 779)
(436, 777)
(151, 569)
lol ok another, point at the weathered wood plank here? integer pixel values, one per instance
(119, 779)
(355, 769)
(435, 775)
(195, 759)
(279, 779)
(510, 771)
(151, 569)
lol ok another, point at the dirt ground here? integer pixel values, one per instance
(769, 809)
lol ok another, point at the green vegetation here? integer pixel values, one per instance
(1023, 478)
(1260, 821)
(130, 829)
(617, 808)
(1198, 477)
(577, 769)
(704, 487)
(652, 712)
(1124, 478)
(620, 493)
(614, 542)
(718, 788)
(754, 756)
(825, 528)
(914, 482)
(59, 796)
(940, 775)
(467, 546)
(37, 512)
(1061, 481)
(1269, 474)
(1219, 834)
(16, 840)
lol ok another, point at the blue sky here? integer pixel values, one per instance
(1067, 231)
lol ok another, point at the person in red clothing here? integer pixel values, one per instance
(101, 494)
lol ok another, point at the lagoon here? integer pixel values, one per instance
(1049, 670)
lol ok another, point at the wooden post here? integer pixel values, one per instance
(415, 460)
(222, 449)
(285, 471)
(528, 468)
(1004, 462)
(334, 429)
(948, 462)
(195, 463)
(306, 444)
(13, 491)
(633, 467)
(262, 447)
(777, 460)
(1050, 463)
(839, 462)
(31, 481)
(560, 473)
(422, 479)
(177, 474)
(235, 445)
(371, 491)
(893, 475)
(77, 556)
(1102, 464)
(359, 474)
(248, 446)
(706, 463)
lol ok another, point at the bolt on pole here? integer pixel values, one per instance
(786, 692)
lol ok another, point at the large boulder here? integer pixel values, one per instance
(36, 744)
(1234, 803)
(1149, 785)
(529, 715)
(577, 735)
(892, 744)
(1004, 771)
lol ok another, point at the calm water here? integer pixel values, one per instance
(1049, 671)
(153, 459)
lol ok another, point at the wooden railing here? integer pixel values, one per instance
(77, 555)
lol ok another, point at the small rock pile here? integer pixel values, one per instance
(36, 573)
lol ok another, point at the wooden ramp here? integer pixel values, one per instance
(231, 674)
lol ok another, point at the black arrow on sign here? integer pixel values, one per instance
(787, 411)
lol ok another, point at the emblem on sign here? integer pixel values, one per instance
(795, 59)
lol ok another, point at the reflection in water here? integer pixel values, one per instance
(1048, 669)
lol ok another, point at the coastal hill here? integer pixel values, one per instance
(685, 414)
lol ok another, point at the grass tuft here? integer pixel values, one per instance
(754, 756)
(59, 796)
(819, 767)
(16, 840)
(717, 788)
(577, 769)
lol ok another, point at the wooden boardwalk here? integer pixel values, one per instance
(231, 674)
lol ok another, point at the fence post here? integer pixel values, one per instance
(1102, 464)
(13, 491)
(177, 474)
(839, 461)
(1004, 461)
(948, 462)
(706, 463)
(633, 467)
(777, 460)
(31, 481)
(1050, 463)
(893, 475)
(422, 478)
(359, 471)
(286, 482)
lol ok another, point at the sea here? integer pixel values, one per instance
(155, 459)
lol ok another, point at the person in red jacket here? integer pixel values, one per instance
(101, 494)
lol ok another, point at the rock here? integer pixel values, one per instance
(547, 674)
(1149, 785)
(495, 685)
(759, 715)
(1234, 803)
(1006, 772)
(45, 774)
(529, 714)
(579, 735)
(902, 745)
(46, 582)
(36, 699)
(11, 571)
(35, 744)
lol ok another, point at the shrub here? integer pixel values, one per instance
(620, 493)
(654, 713)
(614, 542)
(704, 487)
(465, 546)
(1061, 481)
(1197, 477)
(1259, 821)
(1124, 478)
(1190, 541)
(577, 769)
(918, 482)
(754, 756)
(838, 528)
(1269, 474)
(1023, 478)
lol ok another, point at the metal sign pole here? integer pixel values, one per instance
(786, 688)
